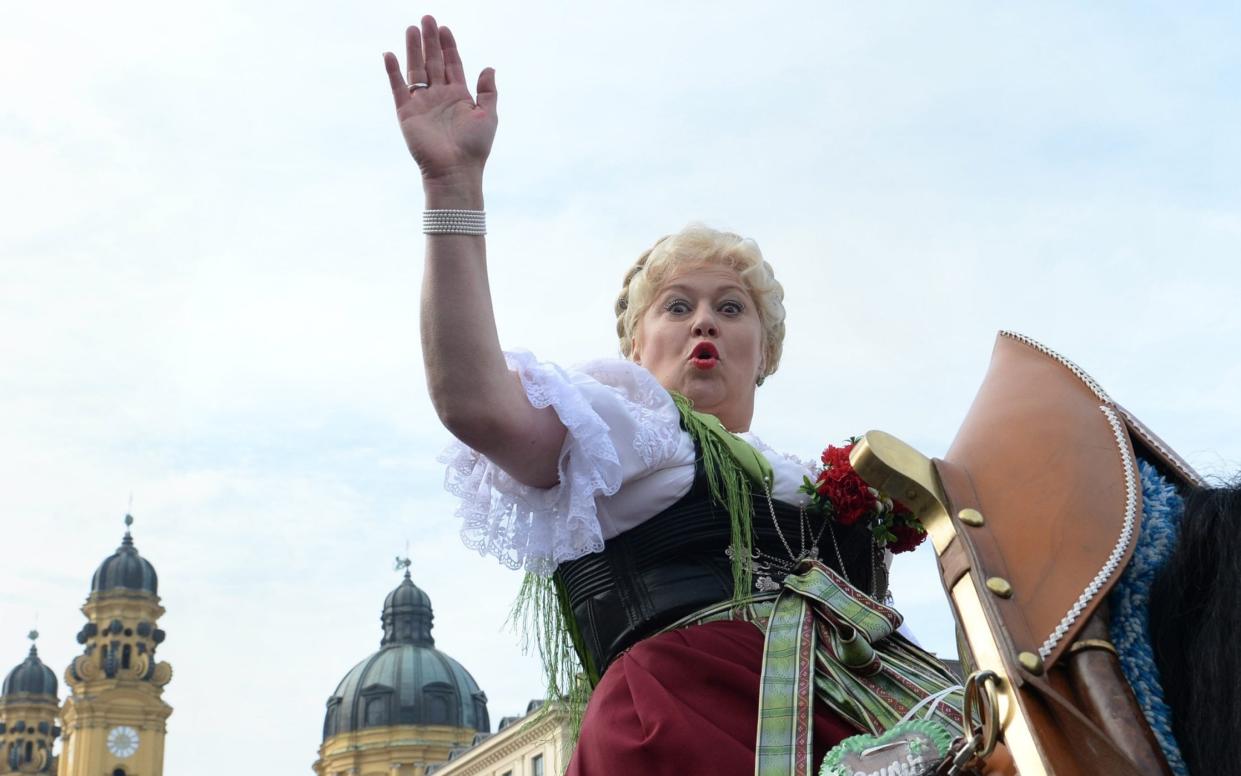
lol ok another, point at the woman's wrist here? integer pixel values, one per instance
(455, 192)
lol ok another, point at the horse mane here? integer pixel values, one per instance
(1195, 624)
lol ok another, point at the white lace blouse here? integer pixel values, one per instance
(625, 459)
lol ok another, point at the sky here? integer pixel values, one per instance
(210, 260)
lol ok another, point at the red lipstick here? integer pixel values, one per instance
(705, 356)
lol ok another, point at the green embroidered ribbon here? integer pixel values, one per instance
(827, 639)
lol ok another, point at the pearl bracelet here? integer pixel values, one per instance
(454, 222)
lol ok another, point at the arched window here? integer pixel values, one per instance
(437, 709)
(377, 710)
(481, 720)
(441, 704)
(376, 705)
(126, 653)
(329, 720)
(118, 772)
(29, 751)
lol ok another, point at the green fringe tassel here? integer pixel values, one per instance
(731, 466)
(542, 615)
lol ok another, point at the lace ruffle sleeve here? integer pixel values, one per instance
(621, 425)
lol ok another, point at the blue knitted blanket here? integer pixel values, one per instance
(1162, 509)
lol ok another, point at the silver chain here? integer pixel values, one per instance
(763, 562)
(836, 547)
(803, 530)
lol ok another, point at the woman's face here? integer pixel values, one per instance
(702, 337)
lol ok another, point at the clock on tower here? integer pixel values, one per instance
(123, 741)
(115, 718)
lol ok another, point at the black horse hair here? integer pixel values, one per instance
(1195, 620)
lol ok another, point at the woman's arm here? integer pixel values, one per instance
(449, 134)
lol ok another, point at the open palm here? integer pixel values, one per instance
(447, 131)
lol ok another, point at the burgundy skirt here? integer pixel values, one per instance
(685, 702)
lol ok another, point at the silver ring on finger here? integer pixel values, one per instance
(420, 85)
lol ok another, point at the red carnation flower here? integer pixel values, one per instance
(850, 496)
(908, 536)
(834, 457)
(840, 493)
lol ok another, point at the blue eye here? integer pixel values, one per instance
(677, 306)
(731, 308)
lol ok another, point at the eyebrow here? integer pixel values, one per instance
(723, 291)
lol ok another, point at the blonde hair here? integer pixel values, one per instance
(700, 246)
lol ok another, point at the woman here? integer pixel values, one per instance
(637, 482)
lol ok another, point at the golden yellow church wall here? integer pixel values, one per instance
(123, 604)
(90, 717)
(393, 750)
(31, 710)
(130, 610)
(85, 753)
(127, 706)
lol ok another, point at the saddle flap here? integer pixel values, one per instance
(1034, 513)
(1045, 456)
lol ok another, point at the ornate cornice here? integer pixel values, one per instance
(532, 729)
(394, 736)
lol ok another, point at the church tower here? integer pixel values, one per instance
(28, 708)
(405, 707)
(115, 718)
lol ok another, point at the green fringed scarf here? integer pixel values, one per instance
(732, 467)
(542, 615)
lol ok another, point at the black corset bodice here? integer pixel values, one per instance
(675, 564)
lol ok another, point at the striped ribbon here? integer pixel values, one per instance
(828, 641)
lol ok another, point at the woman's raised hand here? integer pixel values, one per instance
(447, 131)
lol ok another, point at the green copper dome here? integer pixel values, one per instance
(408, 681)
(30, 677)
(125, 569)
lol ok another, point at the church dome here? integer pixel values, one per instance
(407, 615)
(30, 676)
(408, 681)
(125, 569)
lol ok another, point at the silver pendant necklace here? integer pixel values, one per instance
(764, 567)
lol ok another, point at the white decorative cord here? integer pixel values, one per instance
(1074, 368)
(929, 700)
(1134, 423)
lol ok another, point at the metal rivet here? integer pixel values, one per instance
(1000, 587)
(970, 517)
(1030, 662)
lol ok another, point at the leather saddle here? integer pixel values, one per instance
(1034, 512)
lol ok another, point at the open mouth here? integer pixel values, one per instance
(705, 356)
